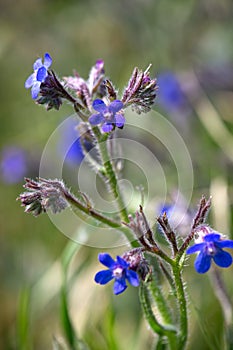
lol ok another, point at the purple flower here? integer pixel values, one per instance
(211, 248)
(119, 270)
(107, 116)
(38, 76)
(13, 164)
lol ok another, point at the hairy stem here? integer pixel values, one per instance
(163, 309)
(110, 173)
(99, 216)
(181, 299)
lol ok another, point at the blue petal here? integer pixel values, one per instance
(115, 106)
(47, 60)
(96, 119)
(41, 74)
(119, 286)
(99, 106)
(120, 120)
(30, 81)
(35, 90)
(225, 244)
(222, 259)
(103, 277)
(37, 64)
(106, 127)
(133, 278)
(107, 260)
(212, 237)
(122, 262)
(202, 262)
(195, 248)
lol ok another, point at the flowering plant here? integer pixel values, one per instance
(143, 264)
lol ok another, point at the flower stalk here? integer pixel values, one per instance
(136, 267)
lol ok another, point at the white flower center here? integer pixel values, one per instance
(211, 249)
(117, 272)
(108, 116)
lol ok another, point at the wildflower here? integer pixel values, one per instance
(120, 270)
(108, 116)
(38, 76)
(211, 248)
(13, 164)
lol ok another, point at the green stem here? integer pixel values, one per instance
(110, 173)
(166, 332)
(157, 295)
(151, 319)
(75, 202)
(163, 309)
(181, 299)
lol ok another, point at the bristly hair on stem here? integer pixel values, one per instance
(168, 231)
(199, 219)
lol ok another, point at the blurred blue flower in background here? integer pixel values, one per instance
(170, 95)
(69, 145)
(13, 164)
(119, 270)
(211, 248)
(178, 214)
(38, 76)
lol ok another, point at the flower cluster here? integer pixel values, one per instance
(101, 109)
(96, 93)
(141, 91)
(42, 195)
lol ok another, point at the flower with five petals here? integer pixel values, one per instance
(108, 116)
(210, 248)
(118, 270)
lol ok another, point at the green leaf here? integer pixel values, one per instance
(70, 250)
(23, 320)
(57, 345)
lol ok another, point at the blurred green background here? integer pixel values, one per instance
(179, 37)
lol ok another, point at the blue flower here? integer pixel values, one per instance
(38, 76)
(119, 270)
(13, 164)
(69, 145)
(107, 116)
(170, 95)
(178, 215)
(211, 248)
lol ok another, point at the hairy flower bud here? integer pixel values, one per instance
(140, 92)
(43, 195)
(137, 262)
